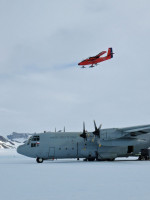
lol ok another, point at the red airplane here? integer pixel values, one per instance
(96, 59)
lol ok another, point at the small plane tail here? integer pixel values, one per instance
(110, 53)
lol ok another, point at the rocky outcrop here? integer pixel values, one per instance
(6, 144)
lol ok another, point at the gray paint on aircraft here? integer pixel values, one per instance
(102, 144)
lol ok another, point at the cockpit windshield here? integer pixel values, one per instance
(28, 142)
(33, 138)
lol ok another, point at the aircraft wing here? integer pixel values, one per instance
(98, 55)
(101, 53)
(137, 130)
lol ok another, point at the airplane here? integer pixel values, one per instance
(97, 59)
(99, 145)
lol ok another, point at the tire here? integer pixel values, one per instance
(111, 159)
(39, 160)
(91, 159)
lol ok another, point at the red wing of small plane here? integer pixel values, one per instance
(97, 59)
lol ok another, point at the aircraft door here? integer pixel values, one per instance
(52, 152)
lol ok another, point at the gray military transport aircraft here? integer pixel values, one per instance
(101, 144)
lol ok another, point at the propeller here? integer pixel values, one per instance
(97, 130)
(84, 132)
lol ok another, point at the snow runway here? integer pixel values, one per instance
(23, 179)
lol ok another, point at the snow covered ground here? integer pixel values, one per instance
(21, 178)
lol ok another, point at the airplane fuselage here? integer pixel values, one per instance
(97, 59)
(94, 61)
(61, 145)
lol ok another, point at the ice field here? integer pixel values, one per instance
(21, 178)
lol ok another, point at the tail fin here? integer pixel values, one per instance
(110, 53)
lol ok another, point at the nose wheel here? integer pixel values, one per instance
(39, 160)
(91, 66)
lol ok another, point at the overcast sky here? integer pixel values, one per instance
(41, 85)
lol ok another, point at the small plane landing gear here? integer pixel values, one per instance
(91, 66)
(39, 160)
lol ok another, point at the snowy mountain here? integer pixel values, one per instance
(6, 144)
(19, 137)
(13, 140)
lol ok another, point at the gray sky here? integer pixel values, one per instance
(41, 86)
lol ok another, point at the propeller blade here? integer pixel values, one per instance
(83, 127)
(84, 132)
(100, 126)
(64, 129)
(95, 125)
(97, 130)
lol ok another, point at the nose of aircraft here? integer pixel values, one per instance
(20, 149)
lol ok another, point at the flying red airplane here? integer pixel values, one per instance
(96, 59)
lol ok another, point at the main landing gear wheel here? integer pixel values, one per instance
(39, 160)
(143, 157)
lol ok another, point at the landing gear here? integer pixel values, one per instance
(91, 66)
(110, 159)
(91, 159)
(143, 157)
(88, 159)
(145, 154)
(39, 160)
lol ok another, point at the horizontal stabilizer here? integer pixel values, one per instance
(138, 130)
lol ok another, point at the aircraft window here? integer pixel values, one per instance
(36, 138)
(59, 148)
(33, 144)
(28, 142)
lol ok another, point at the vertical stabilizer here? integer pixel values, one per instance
(110, 53)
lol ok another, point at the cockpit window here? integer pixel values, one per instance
(35, 138)
(33, 144)
(28, 142)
